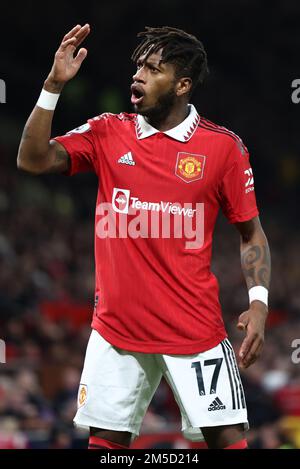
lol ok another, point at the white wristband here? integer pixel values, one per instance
(47, 100)
(258, 293)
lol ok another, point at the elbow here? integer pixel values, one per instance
(246, 238)
(256, 237)
(249, 230)
(20, 164)
(25, 166)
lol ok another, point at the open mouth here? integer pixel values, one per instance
(137, 94)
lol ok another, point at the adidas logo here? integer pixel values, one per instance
(217, 404)
(127, 159)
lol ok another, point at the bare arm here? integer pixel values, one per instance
(37, 154)
(256, 266)
(255, 253)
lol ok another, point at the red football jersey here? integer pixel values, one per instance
(158, 199)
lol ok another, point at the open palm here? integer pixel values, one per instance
(66, 65)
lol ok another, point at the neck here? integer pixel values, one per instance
(175, 116)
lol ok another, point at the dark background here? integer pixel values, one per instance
(46, 223)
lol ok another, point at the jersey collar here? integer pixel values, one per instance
(182, 132)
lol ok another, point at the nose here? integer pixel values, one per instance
(139, 76)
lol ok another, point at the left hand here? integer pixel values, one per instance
(253, 322)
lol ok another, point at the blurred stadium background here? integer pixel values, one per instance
(46, 223)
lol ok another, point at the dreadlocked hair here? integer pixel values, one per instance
(183, 50)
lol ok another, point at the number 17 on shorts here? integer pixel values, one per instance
(208, 387)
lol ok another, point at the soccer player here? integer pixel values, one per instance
(164, 171)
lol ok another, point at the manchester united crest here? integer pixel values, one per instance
(82, 395)
(189, 167)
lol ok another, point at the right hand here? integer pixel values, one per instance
(65, 65)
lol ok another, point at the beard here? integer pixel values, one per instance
(161, 109)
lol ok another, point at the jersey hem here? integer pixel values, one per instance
(161, 348)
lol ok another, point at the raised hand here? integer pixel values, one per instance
(66, 65)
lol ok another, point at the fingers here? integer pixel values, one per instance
(69, 42)
(72, 32)
(75, 36)
(253, 342)
(243, 321)
(241, 326)
(245, 347)
(82, 53)
(82, 34)
(253, 353)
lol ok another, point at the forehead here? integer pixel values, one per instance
(156, 59)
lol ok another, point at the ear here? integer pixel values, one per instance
(183, 86)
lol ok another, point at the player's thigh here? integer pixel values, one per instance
(116, 387)
(207, 387)
(223, 436)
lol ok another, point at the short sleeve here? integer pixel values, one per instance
(236, 190)
(80, 145)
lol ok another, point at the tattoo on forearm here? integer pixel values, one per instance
(256, 265)
(251, 255)
(263, 277)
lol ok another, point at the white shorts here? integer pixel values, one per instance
(117, 386)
